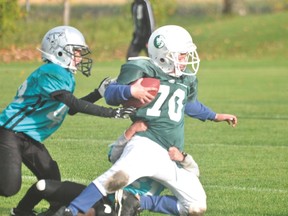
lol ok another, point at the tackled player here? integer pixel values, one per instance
(171, 51)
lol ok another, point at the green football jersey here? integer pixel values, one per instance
(165, 114)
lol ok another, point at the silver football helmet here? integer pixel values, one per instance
(59, 46)
(165, 46)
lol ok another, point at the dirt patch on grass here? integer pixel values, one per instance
(15, 54)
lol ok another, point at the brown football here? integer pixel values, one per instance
(146, 82)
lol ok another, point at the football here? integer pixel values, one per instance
(146, 82)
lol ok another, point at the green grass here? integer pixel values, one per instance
(108, 35)
(243, 169)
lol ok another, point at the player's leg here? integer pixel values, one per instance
(38, 160)
(127, 200)
(10, 162)
(122, 173)
(189, 192)
(185, 185)
(161, 204)
(57, 192)
(127, 203)
(134, 48)
(62, 193)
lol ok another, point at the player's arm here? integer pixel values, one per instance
(77, 105)
(186, 160)
(96, 94)
(118, 146)
(199, 111)
(116, 93)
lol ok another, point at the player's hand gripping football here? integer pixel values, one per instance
(103, 85)
(142, 93)
(124, 112)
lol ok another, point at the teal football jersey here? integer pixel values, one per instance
(33, 111)
(165, 114)
(145, 186)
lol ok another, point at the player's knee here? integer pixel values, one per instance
(116, 182)
(8, 190)
(41, 185)
(197, 210)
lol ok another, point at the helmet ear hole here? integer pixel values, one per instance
(60, 54)
(162, 60)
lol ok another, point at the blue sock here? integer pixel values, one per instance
(87, 198)
(160, 204)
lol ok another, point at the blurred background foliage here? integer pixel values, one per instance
(250, 28)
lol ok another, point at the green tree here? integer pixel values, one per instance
(9, 13)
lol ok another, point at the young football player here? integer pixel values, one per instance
(40, 106)
(175, 62)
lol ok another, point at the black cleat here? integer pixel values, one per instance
(63, 211)
(126, 203)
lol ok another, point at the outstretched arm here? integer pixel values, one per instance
(118, 146)
(77, 105)
(96, 94)
(199, 111)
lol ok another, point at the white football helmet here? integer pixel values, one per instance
(59, 45)
(165, 46)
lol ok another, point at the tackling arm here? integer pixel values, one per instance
(118, 146)
(82, 106)
(96, 94)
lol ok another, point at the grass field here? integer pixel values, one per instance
(243, 71)
(243, 169)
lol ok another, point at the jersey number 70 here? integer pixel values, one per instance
(174, 102)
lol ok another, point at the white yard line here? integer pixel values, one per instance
(242, 146)
(235, 188)
(254, 189)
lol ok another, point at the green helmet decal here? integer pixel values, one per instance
(159, 41)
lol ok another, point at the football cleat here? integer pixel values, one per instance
(126, 204)
(63, 211)
(104, 208)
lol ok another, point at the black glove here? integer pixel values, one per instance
(122, 112)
